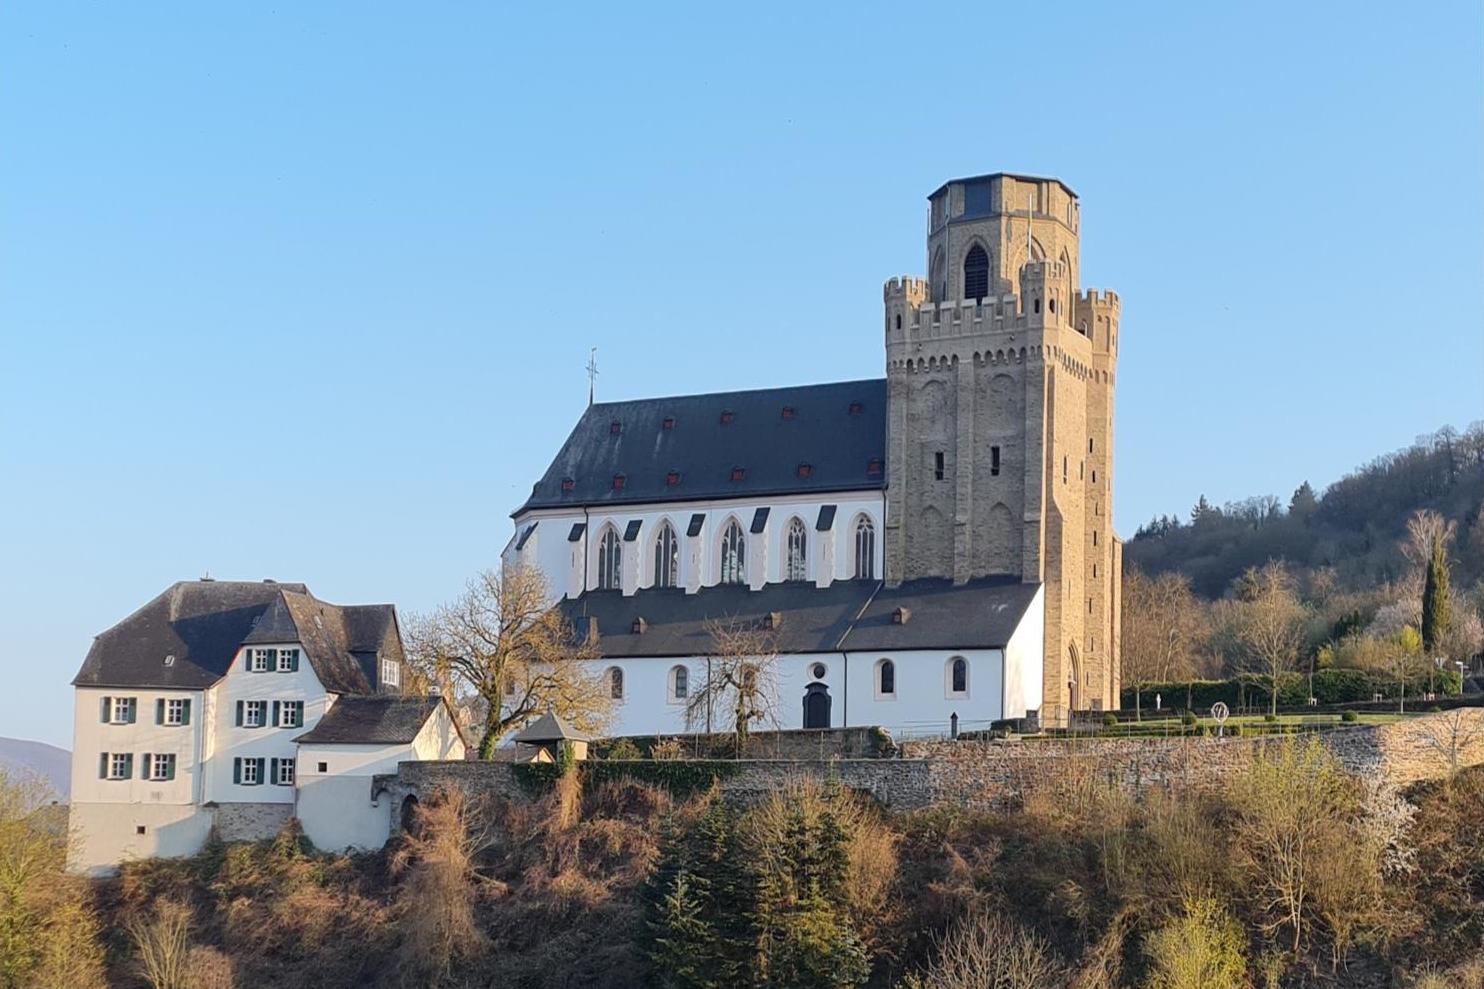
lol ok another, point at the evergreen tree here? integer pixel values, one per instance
(683, 939)
(1436, 609)
(1304, 502)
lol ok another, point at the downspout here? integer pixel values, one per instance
(845, 715)
(586, 526)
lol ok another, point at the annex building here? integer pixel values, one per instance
(930, 544)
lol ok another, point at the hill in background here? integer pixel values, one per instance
(19, 757)
(1354, 528)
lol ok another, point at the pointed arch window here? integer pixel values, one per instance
(666, 557)
(976, 273)
(733, 554)
(886, 678)
(798, 550)
(610, 560)
(865, 549)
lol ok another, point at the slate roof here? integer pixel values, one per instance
(769, 434)
(849, 615)
(203, 623)
(550, 727)
(372, 721)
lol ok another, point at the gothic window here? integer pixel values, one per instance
(615, 683)
(610, 560)
(958, 675)
(679, 683)
(733, 554)
(865, 549)
(886, 678)
(798, 550)
(976, 274)
(666, 557)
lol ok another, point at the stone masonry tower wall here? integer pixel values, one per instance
(1000, 377)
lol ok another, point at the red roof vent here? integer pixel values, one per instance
(672, 478)
(856, 408)
(568, 484)
(789, 412)
(727, 416)
(739, 473)
(805, 470)
(668, 424)
(615, 427)
(618, 482)
(874, 467)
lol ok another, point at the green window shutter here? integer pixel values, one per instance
(129, 766)
(294, 662)
(170, 768)
(262, 765)
(276, 708)
(160, 711)
(103, 766)
(144, 767)
(107, 706)
(239, 714)
(273, 777)
(272, 663)
(185, 712)
(236, 770)
(133, 709)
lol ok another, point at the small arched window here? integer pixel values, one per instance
(886, 678)
(615, 683)
(610, 560)
(679, 683)
(798, 550)
(958, 675)
(976, 273)
(733, 554)
(865, 549)
(666, 557)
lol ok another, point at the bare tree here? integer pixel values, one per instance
(502, 642)
(740, 688)
(162, 938)
(1454, 736)
(1161, 620)
(1271, 622)
(989, 950)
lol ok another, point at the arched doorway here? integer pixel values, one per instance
(816, 706)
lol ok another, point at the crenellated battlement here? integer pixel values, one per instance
(914, 290)
(1093, 297)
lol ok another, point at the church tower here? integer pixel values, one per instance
(1000, 376)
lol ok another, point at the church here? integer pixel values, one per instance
(929, 550)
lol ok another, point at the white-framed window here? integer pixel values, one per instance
(290, 714)
(610, 560)
(733, 554)
(957, 676)
(865, 548)
(666, 557)
(175, 711)
(391, 673)
(615, 683)
(798, 551)
(249, 771)
(886, 678)
(260, 660)
(679, 684)
(283, 772)
(120, 765)
(162, 767)
(288, 660)
(121, 710)
(254, 714)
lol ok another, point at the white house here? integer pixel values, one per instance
(189, 713)
(767, 507)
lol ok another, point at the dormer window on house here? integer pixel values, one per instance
(668, 424)
(805, 470)
(619, 481)
(789, 412)
(391, 673)
(615, 427)
(874, 467)
(727, 416)
(672, 478)
(568, 484)
(739, 473)
(856, 408)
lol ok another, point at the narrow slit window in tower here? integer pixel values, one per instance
(994, 461)
(938, 465)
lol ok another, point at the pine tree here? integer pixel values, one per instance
(1436, 609)
(684, 940)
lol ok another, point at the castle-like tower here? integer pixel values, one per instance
(1000, 377)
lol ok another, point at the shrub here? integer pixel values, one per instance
(162, 939)
(1271, 719)
(668, 749)
(1188, 718)
(987, 949)
(623, 749)
(1203, 948)
(1110, 720)
(1350, 717)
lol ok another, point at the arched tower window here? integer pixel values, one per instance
(958, 675)
(733, 554)
(666, 557)
(865, 549)
(886, 678)
(798, 550)
(976, 274)
(610, 560)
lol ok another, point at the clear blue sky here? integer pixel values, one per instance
(306, 291)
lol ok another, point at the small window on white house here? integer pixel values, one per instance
(162, 767)
(288, 660)
(261, 660)
(615, 683)
(391, 673)
(958, 675)
(175, 711)
(119, 765)
(285, 772)
(123, 711)
(250, 771)
(886, 678)
(290, 714)
(254, 714)
(679, 683)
